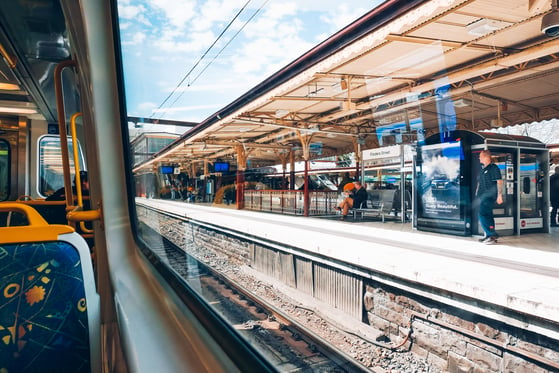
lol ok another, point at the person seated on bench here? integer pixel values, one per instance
(356, 197)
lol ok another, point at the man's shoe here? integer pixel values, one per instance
(343, 217)
(491, 240)
(482, 239)
(337, 208)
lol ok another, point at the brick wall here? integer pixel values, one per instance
(453, 339)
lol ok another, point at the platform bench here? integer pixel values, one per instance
(381, 202)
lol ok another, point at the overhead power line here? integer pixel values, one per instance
(221, 50)
(202, 57)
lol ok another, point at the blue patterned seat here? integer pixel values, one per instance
(49, 309)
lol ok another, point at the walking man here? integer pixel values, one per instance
(489, 190)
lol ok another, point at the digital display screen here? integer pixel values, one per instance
(167, 169)
(221, 167)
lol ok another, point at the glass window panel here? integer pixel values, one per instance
(51, 177)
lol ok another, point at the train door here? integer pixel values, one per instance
(531, 202)
(505, 214)
(523, 177)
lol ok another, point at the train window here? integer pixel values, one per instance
(4, 170)
(50, 164)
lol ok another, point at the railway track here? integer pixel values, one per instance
(311, 349)
(289, 345)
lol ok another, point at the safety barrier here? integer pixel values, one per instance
(290, 201)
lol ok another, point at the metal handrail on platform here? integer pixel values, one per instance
(290, 201)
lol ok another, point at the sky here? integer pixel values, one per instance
(184, 59)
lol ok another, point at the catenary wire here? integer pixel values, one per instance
(221, 50)
(200, 59)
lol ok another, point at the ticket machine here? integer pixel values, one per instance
(446, 172)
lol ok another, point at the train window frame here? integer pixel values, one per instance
(5, 184)
(41, 163)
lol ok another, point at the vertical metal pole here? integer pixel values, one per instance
(292, 170)
(306, 190)
(240, 188)
(545, 168)
(362, 171)
(62, 129)
(517, 191)
(402, 185)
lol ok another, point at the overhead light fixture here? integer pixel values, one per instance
(13, 110)
(550, 22)
(461, 102)
(9, 87)
(484, 26)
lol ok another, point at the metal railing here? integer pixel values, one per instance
(291, 201)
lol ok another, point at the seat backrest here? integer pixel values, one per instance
(49, 314)
(387, 197)
(375, 198)
(54, 212)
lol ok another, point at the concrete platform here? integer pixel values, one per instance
(520, 273)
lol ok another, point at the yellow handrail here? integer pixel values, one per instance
(11, 60)
(82, 216)
(76, 159)
(38, 229)
(77, 214)
(33, 216)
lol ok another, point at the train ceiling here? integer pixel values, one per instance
(33, 40)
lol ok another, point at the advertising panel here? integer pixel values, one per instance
(439, 181)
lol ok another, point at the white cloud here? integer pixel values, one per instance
(171, 43)
(216, 13)
(132, 13)
(137, 38)
(279, 10)
(342, 15)
(127, 11)
(177, 12)
(146, 106)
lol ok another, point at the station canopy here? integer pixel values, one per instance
(402, 72)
